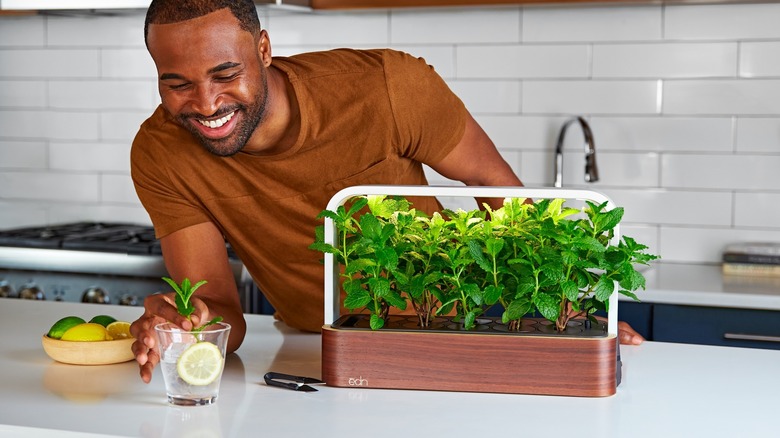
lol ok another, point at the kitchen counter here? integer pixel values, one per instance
(671, 390)
(705, 285)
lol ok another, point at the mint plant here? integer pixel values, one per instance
(184, 292)
(541, 257)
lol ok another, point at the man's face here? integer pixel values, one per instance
(212, 79)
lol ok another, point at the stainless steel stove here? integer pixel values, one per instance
(108, 263)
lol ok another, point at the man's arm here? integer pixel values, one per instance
(198, 253)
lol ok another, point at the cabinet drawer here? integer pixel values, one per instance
(716, 326)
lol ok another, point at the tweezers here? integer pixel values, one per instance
(287, 381)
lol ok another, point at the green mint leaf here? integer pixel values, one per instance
(604, 288)
(357, 300)
(376, 322)
(212, 322)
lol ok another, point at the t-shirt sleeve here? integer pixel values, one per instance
(167, 205)
(429, 117)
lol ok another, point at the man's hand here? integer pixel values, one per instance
(159, 308)
(628, 335)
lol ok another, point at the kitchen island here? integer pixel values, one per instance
(670, 390)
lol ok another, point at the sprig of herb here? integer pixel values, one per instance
(184, 292)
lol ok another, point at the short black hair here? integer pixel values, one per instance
(175, 11)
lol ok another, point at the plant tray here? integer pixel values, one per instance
(486, 359)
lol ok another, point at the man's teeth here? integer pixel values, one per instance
(216, 123)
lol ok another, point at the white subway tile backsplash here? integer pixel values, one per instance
(48, 124)
(665, 60)
(26, 31)
(717, 97)
(441, 58)
(722, 22)
(118, 189)
(723, 172)
(127, 63)
(513, 132)
(97, 157)
(523, 61)
(615, 169)
(757, 59)
(566, 24)
(761, 134)
(22, 94)
(15, 214)
(692, 245)
(590, 97)
(25, 64)
(49, 186)
(456, 25)
(102, 95)
(757, 210)
(23, 155)
(126, 30)
(669, 207)
(683, 100)
(332, 28)
(121, 125)
(537, 168)
(663, 134)
(488, 96)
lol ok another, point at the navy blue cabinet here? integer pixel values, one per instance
(716, 326)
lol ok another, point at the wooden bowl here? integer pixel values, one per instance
(89, 353)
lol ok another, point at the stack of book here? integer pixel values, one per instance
(757, 259)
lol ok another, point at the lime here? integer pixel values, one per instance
(200, 364)
(103, 320)
(119, 330)
(60, 327)
(89, 331)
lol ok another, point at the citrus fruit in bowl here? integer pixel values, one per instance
(88, 343)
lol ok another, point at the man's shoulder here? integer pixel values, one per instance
(336, 61)
(157, 124)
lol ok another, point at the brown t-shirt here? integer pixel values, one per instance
(367, 117)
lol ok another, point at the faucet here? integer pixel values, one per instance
(591, 171)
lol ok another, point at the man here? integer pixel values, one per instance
(250, 148)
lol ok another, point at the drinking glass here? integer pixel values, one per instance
(192, 385)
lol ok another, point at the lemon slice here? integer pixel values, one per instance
(200, 364)
(119, 330)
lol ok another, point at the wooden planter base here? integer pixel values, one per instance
(472, 362)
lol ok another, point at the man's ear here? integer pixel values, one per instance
(264, 48)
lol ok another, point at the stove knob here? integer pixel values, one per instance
(6, 290)
(95, 295)
(31, 291)
(128, 300)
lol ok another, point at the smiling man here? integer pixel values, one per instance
(248, 147)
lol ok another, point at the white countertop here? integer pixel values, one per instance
(705, 285)
(669, 390)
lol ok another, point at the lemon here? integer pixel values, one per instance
(89, 331)
(103, 320)
(119, 330)
(60, 327)
(200, 364)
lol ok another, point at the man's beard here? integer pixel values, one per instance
(235, 142)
